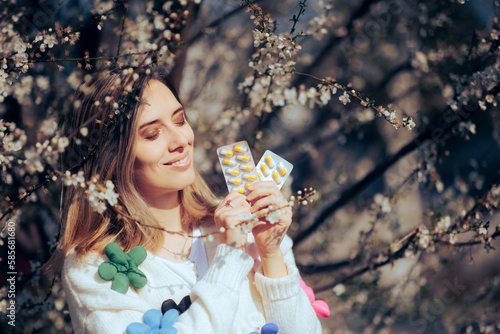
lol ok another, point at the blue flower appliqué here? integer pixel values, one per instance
(155, 323)
(269, 328)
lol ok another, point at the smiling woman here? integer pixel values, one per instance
(137, 137)
(164, 145)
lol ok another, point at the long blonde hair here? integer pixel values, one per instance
(107, 153)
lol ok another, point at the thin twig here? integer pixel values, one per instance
(216, 22)
(388, 258)
(53, 60)
(353, 191)
(437, 132)
(122, 30)
(295, 18)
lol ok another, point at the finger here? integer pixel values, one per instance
(227, 212)
(261, 189)
(264, 203)
(264, 209)
(238, 202)
(233, 214)
(233, 195)
(233, 199)
(264, 200)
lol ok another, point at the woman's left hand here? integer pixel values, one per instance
(264, 196)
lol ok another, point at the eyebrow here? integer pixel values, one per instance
(176, 111)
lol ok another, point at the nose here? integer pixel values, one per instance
(179, 139)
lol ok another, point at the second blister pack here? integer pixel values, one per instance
(273, 167)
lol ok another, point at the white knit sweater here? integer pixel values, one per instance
(231, 298)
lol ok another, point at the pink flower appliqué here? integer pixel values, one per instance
(320, 307)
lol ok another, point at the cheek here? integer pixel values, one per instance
(146, 158)
(148, 153)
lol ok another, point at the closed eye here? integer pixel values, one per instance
(180, 118)
(151, 134)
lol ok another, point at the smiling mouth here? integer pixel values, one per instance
(181, 162)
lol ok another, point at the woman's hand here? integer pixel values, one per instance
(266, 199)
(228, 216)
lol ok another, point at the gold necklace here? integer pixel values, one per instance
(183, 256)
(181, 253)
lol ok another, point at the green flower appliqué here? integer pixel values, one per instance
(122, 267)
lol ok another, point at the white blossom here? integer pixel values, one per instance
(98, 195)
(383, 202)
(50, 40)
(62, 143)
(48, 126)
(425, 238)
(345, 98)
(443, 224)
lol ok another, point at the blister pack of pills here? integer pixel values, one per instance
(237, 165)
(273, 167)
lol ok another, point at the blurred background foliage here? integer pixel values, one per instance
(400, 236)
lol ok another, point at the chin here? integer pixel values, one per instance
(185, 182)
(191, 179)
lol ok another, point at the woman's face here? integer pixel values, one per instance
(163, 145)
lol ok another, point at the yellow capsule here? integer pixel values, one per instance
(243, 158)
(249, 177)
(241, 191)
(239, 148)
(234, 180)
(229, 162)
(282, 169)
(264, 170)
(233, 171)
(248, 185)
(259, 175)
(277, 177)
(226, 153)
(270, 162)
(247, 167)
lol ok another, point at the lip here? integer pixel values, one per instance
(181, 165)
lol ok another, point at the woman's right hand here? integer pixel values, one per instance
(228, 215)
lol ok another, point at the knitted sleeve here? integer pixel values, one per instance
(215, 298)
(95, 308)
(285, 302)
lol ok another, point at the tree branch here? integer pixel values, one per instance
(216, 22)
(295, 19)
(125, 4)
(318, 268)
(434, 132)
(394, 256)
(374, 264)
(478, 203)
(334, 40)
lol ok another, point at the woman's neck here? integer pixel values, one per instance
(167, 210)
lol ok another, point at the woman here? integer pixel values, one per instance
(146, 150)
